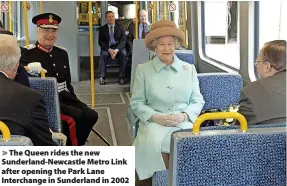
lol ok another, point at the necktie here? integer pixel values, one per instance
(143, 32)
(112, 38)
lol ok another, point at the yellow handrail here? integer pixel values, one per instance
(43, 75)
(26, 23)
(5, 131)
(184, 22)
(164, 9)
(137, 21)
(219, 115)
(10, 17)
(154, 16)
(92, 54)
(41, 7)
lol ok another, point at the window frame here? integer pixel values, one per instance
(202, 41)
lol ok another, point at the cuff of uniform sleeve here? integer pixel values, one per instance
(117, 50)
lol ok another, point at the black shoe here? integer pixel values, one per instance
(121, 81)
(102, 81)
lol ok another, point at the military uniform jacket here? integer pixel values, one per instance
(56, 62)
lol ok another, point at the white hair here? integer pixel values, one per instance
(9, 52)
(143, 11)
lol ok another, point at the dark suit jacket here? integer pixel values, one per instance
(264, 101)
(119, 35)
(23, 111)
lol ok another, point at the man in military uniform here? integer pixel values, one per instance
(55, 61)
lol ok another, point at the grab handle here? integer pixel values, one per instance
(219, 115)
(5, 131)
(42, 72)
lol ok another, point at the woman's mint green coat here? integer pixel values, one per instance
(167, 90)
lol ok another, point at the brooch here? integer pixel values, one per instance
(185, 67)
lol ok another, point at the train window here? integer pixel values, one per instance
(272, 21)
(220, 32)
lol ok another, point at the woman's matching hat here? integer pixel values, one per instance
(47, 20)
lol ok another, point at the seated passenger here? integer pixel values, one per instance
(21, 109)
(55, 61)
(21, 76)
(112, 40)
(143, 29)
(165, 97)
(264, 101)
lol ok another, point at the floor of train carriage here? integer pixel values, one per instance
(111, 104)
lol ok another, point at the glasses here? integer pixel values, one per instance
(257, 62)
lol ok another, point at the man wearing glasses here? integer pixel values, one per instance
(264, 101)
(44, 55)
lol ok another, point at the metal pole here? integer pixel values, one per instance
(10, 17)
(137, 21)
(184, 22)
(92, 54)
(41, 7)
(164, 10)
(26, 23)
(154, 15)
(92, 67)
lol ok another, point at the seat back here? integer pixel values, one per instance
(220, 90)
(186, 56)
(229, 157)
(48, 88)
(16, 140)
(140, 55)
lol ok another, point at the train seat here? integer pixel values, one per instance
(229, 157)
(48, 88)
(12, 140)
(16, 140)
(187, 57)
(160, 178)
(219, 90)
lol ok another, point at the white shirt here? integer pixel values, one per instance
(4, 73)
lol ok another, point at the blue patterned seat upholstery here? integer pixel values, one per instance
(16, 140)
(187, 57)
(160, 178)
(48, 88)
(219, 91)
(230, 158)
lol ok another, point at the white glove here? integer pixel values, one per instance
(164, 120)
(59, 136)
(35, 68)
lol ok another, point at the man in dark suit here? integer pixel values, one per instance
(112, 40)
(21, 109)
(21, 76)
(264, 101)
(78, 119)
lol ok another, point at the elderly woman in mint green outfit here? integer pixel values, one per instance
(165, 97)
